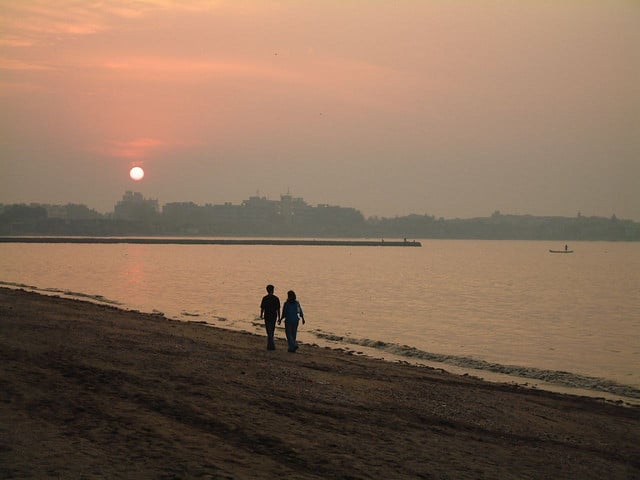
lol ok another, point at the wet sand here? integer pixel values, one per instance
(90, 391)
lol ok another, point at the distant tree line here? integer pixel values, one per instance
(509, 227)
(135, 215)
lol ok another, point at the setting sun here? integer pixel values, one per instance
(136, 174)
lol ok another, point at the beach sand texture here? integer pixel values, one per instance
(89, 391)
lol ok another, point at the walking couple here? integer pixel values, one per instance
(291, 313)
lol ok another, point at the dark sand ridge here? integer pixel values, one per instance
(90, 391)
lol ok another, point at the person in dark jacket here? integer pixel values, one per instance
(270, 312)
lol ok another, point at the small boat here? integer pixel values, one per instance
(566, 250)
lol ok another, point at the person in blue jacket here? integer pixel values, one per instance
(291, 313)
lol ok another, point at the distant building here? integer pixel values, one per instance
(259, 209)
(134, 207)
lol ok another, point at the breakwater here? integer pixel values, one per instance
(212, 241)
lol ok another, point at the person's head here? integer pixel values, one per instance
(291, 295)
(270, 288)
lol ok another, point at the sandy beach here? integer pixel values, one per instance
(90, 391)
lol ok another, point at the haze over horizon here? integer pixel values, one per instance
(445, 107)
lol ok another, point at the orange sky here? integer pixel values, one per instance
(451, 108)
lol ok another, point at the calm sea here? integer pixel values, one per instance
(490, 308)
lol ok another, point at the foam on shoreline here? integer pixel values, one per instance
(555, 377)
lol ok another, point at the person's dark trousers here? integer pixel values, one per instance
(291, 329)
(270, 325)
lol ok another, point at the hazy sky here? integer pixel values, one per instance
(445, 107)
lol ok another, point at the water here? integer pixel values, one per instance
(494, 307)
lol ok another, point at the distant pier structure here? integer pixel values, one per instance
(212, 241)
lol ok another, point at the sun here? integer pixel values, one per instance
(136, 174)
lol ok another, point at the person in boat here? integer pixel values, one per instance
(270, 312)
(292, 314)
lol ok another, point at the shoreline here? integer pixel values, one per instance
(92, 391)
(527, 377)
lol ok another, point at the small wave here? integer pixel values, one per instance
(67, 293)
(556, 377)
(18, 285)
(96, 298)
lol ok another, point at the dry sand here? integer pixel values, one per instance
(88, 391)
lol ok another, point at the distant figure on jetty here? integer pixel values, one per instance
(566, 247)
(292, 313)
(270, 311)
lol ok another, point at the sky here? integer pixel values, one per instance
(449, 108)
